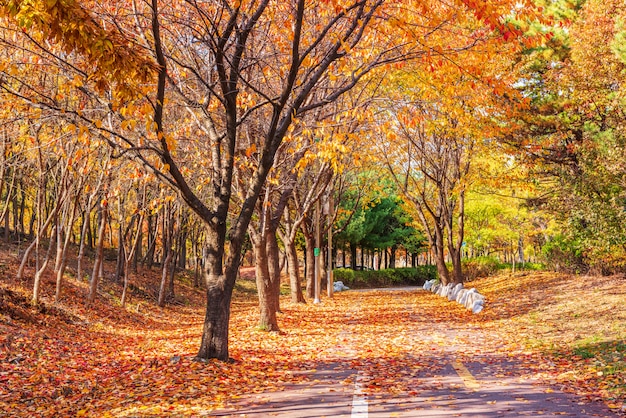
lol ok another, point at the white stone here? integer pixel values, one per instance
(477, 307)
(338, 286)
(445, 290)
(455, 291)
(469, 303)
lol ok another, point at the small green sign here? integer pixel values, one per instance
(316, 252)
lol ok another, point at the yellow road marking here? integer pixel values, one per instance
(465, 375)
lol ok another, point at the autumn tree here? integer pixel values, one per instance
(573, 137)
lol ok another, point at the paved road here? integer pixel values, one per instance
(484, 384)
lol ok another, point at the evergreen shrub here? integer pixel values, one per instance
(406, 276)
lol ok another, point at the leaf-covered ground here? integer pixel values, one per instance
(67, 360)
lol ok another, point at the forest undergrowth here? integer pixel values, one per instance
(69, 360)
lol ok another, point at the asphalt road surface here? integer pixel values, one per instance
(481, 385)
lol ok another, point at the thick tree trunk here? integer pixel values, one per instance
(274, 268)
(265, 288)
(214, 343)
(457, 267)
(220, 282)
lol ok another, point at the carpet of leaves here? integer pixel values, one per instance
(68, 360)
(570, 330)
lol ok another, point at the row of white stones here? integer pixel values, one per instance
(471, 299)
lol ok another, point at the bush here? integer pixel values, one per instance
(481, 267)
(486, 266)
(344, 275)
(406, 276)
(564, 255)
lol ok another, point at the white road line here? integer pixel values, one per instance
(359, 400)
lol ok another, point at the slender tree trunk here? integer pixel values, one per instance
(64, 248)
(22, 209)
(167, 253)
(353, 259)
(127, 273)
(40, 271)
(97, 268)
(440, 258)
(83, 237)
(310, 265)
(120, 264)
(172, 274)
(363, 260)
(35, 243)
(294, 273)
(129, 256)
(5, 212)
(164, 277)
(152, 226)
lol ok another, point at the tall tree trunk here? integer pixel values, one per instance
(265, 288)
(120, 264)
(293, 269)
(152, 236)
(353, 260)
(97, 267)
(130, 255)
(172, 274)
(164, 277)
(440, 257)
(310, 264)
(40, 271)
(22, 210)
(167, 252)
(83, 237)
(274, 268)
(64, 248)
